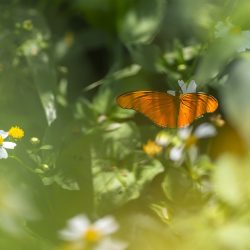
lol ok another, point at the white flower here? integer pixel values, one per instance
(188, 140)
(163, 138)
(185, 87)
(175, 153)
(5, 145)
(81, 231)
(108, 244)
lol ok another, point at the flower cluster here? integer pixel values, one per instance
(14, 133)
(180, 145)
(81, 234)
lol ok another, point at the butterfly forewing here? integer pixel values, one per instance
(194, 105)
(160, 107)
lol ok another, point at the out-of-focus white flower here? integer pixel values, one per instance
(163, 138)
(188, 140)
(5, 145)
(81, 232)
(185, 87)
(108, 244)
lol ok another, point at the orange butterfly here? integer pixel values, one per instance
(172, 110)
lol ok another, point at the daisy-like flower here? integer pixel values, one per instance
(185, 87)
(81, 233)
(5, 145)
(151, 148)
(189, 139)
(16, 132)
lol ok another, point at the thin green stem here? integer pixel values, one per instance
(21, 162)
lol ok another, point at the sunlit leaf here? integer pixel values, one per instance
(119, 184)
(235, 96)
(141, 21)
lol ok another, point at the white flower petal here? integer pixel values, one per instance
(4, 134)
(191, 88)
(9, 145)
(205, 130)
(68, 235)
(75, 228)
(162, 139)
(175, 153)
(184, 133)
(182, 86)
(79, 223)
(3, 153)
(110, 244)
(106, 225)
(171, 92)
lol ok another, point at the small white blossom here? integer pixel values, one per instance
(82, 232)
(185, 87)
(176, 152)
(5, 145)
(163, 138)
(205, 130)
(108, 244)
(188, 140)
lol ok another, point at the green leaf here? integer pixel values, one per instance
(235, 96)
(103, 101)
(45, 81)
(216, 58)
(120, 142)
(122, 183)
(74, 169)
(149, 57)
(180, 188)
(141, 20)
(129, 71)
(228, 181)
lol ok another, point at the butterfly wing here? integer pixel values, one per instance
(160, 107)
(194, 105)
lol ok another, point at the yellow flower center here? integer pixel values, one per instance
(191, 140)
(16, 132)
(151, 148)
(1, 140)
(92, 235)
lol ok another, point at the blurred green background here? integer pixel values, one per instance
(63, 63)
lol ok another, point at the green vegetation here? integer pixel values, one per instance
(62, 65)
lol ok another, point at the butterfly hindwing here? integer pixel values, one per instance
(194, 105)
(160, 107)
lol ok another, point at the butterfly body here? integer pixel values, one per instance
(173, 110)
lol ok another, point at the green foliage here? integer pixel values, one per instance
(62, 65)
